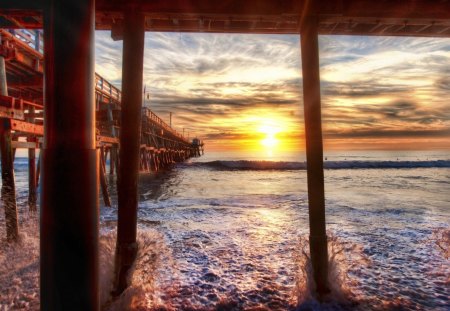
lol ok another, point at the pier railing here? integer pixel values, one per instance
(105, 91)
(23, 51)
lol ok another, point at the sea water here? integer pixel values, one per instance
(229, 231)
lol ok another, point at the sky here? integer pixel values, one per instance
(244, 92)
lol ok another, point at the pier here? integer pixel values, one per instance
(87, 119)
(22, 117)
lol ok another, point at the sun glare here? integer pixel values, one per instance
(270, 141)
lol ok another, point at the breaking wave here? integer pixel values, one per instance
(282, 165)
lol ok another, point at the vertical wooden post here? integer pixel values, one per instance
(3, 82)
(314, 153)
(38, 169)
(129, 153)
(69, 193)
(102, 172)
(8, 191)
(32, 197)
(112, 159)
(37, 40)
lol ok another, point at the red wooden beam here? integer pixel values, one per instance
(26, 127)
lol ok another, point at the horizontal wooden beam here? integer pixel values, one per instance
(107, 139)
(11, 113)
(26, 127)
(25, 145)
(262, 16)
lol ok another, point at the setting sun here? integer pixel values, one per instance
(270, 141)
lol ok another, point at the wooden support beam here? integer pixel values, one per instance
(3, 81)
(8, 191)
(24, 144)
(107, 139)
(26, 127)
(132, 75)
(112, 159)
(32, 191)
(69, 274)
(103, 184)
(38, 169)
(314, 153)
(32, 195)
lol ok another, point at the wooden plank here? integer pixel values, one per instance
(11, 113)
(107, 139)
(26, 127)
(25, 145)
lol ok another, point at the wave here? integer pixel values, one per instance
(282, 165)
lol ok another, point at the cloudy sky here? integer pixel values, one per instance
(245, 91)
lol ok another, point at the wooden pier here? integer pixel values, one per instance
(22, 122)
(74, 134)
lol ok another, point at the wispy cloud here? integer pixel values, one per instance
(371, 86)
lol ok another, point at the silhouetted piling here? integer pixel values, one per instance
(8, 191)
(132, 75)
(102, 177)
(314, 153)
(69, 193)
(32, 191)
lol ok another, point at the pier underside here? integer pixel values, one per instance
(335, 17)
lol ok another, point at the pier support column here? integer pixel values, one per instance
(102, 177)
(32, 196)
(8, 191)
(314, 153)
(69, 193)
(112, 159)
(130, 139)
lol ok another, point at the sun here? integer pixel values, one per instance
(270, 130)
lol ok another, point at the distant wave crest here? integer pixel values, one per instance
(282, 165)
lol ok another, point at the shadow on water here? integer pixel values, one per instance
(154, 186)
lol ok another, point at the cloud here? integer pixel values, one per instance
(371, 86)
(389, 134)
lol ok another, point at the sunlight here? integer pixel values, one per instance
(270, 141)
(258, 130)
(270, 129)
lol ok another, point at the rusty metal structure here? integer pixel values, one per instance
(69, 139)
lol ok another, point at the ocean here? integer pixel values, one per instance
(229, 231)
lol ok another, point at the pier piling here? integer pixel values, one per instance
(69, 193)
(102, 177)
(32, 195)
(314, 153)
(32, 190)
(8, 191)
(129, 153)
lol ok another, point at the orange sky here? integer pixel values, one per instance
(244, 92)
